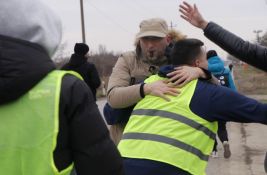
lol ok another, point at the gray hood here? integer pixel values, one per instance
(32, 21)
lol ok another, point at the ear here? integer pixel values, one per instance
(196, 63)
(136, 41)
(168, 39)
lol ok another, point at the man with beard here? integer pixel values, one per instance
(126, 87)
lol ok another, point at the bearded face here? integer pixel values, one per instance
(153, 48)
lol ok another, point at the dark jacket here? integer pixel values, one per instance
(83, 136)
(253, 54)
(78, 63)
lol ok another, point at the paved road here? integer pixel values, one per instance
(248, 143)
(258, 97)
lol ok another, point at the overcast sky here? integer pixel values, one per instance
(114, 23)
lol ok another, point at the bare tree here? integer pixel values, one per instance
(102, 50)
(233, 59)
(60, 56)
(263, 40)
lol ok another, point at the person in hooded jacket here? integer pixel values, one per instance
(78, 63)
(224, 76)
(216, 67)
(49, 120)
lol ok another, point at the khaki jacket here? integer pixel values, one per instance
(124, 83)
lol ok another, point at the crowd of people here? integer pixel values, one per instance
(165, 99)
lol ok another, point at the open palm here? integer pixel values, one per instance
(192, 15)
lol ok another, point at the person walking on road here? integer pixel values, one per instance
(224, 76)
(78, 63)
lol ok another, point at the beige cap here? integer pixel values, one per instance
(153, 27)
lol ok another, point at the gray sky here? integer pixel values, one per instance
(114, 23)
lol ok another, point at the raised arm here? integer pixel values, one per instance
(253, 54)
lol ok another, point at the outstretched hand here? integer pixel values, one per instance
(191, 14)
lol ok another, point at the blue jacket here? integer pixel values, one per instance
(216, 67)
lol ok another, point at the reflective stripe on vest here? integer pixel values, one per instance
(169, 132)
(29, 128)
(170, 115)
(170, 141)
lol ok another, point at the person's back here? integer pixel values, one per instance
(164, 131)
(179, 135)
(78, 63)
(49, 119)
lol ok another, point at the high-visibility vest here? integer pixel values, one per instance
(169, 132)
(29, 129)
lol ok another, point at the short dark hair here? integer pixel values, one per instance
(211, 53)
(185, 51)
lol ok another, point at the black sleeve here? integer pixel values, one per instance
(253, 54)
(88, 138)
(207, 73)
(94, 77)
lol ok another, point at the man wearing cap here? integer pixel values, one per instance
(126, 87)
(78, 63)
(49, 120)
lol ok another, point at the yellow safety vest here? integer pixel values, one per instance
(169, 132)
(29, 129)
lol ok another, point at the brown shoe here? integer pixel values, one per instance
(227, 152)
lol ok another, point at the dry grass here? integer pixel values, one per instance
(250, 80)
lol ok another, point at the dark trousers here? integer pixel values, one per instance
(150, 167)
(222, 134)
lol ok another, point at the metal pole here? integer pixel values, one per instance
(172, 25)
(257, 34)
(82, 21)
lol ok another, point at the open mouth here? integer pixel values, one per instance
(151, 53)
